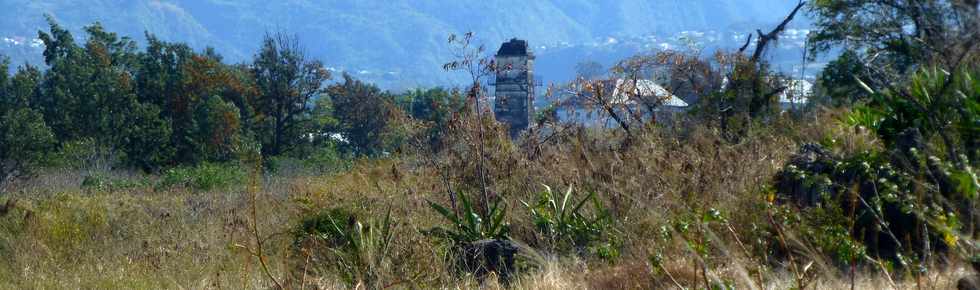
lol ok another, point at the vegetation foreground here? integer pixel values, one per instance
(670, 211)
(167, 168)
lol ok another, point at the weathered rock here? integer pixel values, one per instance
(8, 206)
(971, 282)
(481, 258)
(811, 159)
(816, 177)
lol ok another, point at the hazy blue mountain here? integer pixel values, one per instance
(401, 43)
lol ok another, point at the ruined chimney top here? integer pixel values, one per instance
(514, 47)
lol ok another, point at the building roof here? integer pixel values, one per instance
(626, 89)
(514, 47)
(797, 92)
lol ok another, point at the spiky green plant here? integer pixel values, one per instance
(469, 225)
(358, 253)
(565, 223)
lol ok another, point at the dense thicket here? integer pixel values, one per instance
(167, 104)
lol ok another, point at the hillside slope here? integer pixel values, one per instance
(398, 43)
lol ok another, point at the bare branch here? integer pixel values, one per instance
(748, 40)
(764, 39)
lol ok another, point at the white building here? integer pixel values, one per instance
(638, 95)
(796, 95)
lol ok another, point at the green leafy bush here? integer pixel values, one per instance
(311, 159)
(104, 183)
(862, 116)
(84, 153)
(328, 225)
(204, 177)
(327, 158)
(24, 137)
(918, 193)
(938, 104)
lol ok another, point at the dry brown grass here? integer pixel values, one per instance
(64, 236)
(70, 237)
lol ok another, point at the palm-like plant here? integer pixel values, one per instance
(359, 253)
(564, 222)
(469, 225)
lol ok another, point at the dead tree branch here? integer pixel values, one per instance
(764, 39)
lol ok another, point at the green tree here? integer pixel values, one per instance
(287, 81)
(24, 137)
(160, 78)
(147, 142)
(434, 108)
(7, 100)
(839, 80)
(206, 84)
(23, 87)
(434, 105)
(66, 110)
(901, 35)
(202, 99)
(218, 128)
(89, 92)
(160, 82)
(366, 116)
(17, 91)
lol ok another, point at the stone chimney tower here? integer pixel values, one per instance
(514, 89)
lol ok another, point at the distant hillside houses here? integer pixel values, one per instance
(22, 41)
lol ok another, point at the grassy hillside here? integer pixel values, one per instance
(685, 210)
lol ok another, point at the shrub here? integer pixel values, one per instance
(479, 241)
(937, 104)
(99, 182)
(917, 194)
(311, 160)
(314, 158)
(327, 158)
(204, 177)
(83, 153)
(865, 196)
(328, 225)
(24, 138)
(359, 253)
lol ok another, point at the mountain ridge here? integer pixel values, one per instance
(397, 43)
